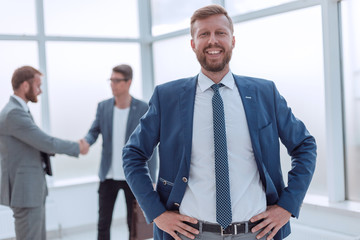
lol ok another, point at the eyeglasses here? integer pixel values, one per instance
(117, 80)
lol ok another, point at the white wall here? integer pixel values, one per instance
(320, 220)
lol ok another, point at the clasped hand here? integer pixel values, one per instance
(84, 146)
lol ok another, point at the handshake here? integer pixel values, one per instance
(84, 146)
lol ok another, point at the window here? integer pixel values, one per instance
(15, 54)
(172, 15)
(351, 65)
(17, 17)
(235, 7)
(174, 59)
(110, 18)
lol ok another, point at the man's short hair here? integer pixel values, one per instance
(208, 11)
(125, 70)
(22, 74)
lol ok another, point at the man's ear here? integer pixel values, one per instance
(25, 86)
(192, 44)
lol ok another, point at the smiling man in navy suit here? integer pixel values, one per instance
(218, 136)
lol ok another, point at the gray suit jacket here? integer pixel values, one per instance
(103, 124)
(23, 182)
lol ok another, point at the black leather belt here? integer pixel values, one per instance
(232, 229)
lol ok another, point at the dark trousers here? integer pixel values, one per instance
(108, 191)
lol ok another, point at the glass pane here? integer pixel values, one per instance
(17, 17)
(169, 66)
(172, 15)
(109, 18)
(76, 85)
(351, 65)
(15, 54)
(287, 49)
(236, 7)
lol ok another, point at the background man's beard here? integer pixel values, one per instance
(30, 96)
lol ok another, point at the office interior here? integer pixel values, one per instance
(309, 48)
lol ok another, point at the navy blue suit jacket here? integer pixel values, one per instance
(169, 123)
(103, 124)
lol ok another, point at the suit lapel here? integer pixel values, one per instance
(249, 99)
(187, 100)
(109, 112)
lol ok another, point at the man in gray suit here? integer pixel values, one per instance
(116, 118)
(24, 150)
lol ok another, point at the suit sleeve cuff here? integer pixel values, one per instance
(290, 204)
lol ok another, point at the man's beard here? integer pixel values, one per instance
(30, 96)
(213, 67)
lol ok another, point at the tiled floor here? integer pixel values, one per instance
(119, 231)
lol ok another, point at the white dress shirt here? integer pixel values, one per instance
(120, 117)
(247, 192)
(22, 102)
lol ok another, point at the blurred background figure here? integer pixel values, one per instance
(116, 118)
(24, 155)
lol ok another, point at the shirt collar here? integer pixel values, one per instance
(205, 83)
(22, 103)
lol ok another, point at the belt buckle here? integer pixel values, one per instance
(227, 231)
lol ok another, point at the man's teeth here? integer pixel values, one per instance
(213, 52)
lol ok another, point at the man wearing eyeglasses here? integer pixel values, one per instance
(116, 118)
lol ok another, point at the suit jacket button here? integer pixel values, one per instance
(184, 179)
(177, 204)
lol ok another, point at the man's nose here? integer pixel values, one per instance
(213, 39)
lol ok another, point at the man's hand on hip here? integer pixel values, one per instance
(273, 219)
(173, 223)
